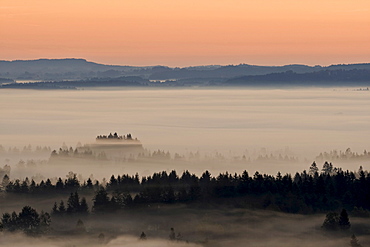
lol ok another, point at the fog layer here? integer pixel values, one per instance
(229, 121)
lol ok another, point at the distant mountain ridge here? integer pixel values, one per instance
(322, 78)
(75, 69)
(328, 77)
(55, 69)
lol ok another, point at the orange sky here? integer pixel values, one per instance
(182, 33)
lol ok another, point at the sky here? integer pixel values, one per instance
(184, 33)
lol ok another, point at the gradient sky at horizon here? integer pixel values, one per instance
(184, 33)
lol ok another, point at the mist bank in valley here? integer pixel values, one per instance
(188, 210)
(308, 121)
(209, 209)
(41, 162)
(192, 227)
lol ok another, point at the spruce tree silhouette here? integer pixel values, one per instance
(343, 221)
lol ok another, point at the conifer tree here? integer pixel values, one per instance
(73, 203)
(55, 208)
(83, 208)
(343, 221)
(331, 221)
(61, 208)
(101, 200)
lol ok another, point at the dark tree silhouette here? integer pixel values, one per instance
(45, 221)
(5, 180)
(331, 221)
(55, 210)
(73, 203)
(89, 184)
(61, 208)
(59, 185)
(28, 221)
(313, 169)
(307, 192)
(142, 236)
(343, 220)
(83, 207)
(101, 200)
(6, 222)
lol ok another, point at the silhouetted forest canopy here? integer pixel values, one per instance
(28, 220)
(315, 190)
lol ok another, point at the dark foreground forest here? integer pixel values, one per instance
(315, 190)
(170, 198)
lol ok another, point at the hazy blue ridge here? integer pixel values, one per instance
(353, 77)
(6, 80)
(132, 81)
(80, 69)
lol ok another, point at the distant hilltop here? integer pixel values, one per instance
(107, 147)
(72, 68)
(115, 137)
(79, 73)
(114, 145)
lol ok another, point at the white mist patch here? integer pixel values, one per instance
(308, 121)
(135, 242)
(21, 240)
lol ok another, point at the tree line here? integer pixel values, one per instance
(28, 220)
(306, 192)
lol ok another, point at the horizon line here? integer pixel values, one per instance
(204, 65)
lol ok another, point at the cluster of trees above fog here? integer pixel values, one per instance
(28, 221)
(305, 192)
(26, 149)
(145, 155)
(129, 157)
(343, 156)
